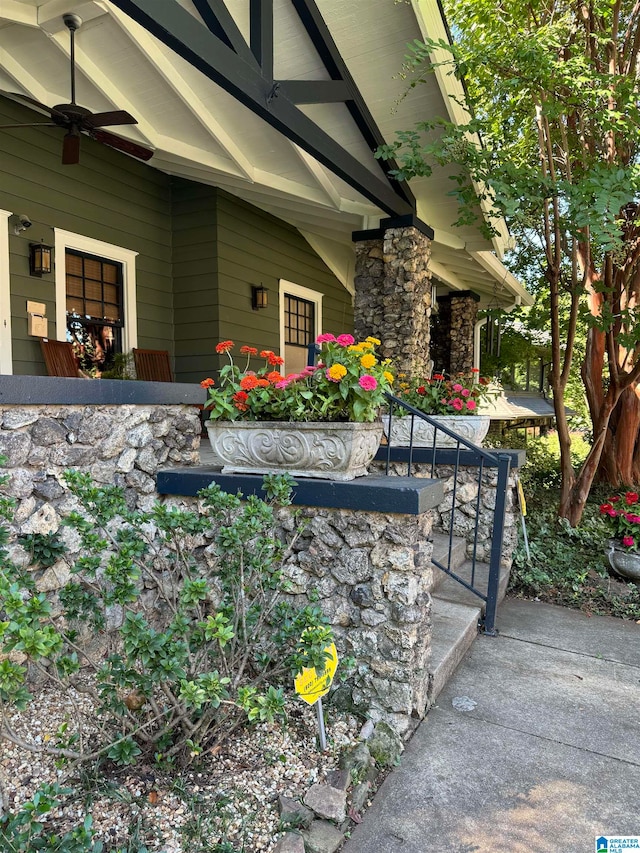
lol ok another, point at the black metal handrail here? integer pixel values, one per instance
(484, 459)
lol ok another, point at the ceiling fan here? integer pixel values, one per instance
(76, 119)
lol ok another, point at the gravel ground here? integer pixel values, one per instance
(230, 796)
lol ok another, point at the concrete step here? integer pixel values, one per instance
(455, 627)
(451, 590)
(440, 551)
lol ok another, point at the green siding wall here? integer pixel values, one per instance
(108, 197)
(213, 277)
(195, 273)
(199, 249)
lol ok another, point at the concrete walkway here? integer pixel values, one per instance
(546, 756)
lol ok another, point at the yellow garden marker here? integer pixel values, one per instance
(522, 503)
(311, 685)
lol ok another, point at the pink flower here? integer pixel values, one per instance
(457, 387)
(326, 338)
(457, 404)
(465, 392)
(368, 383)
(628, 541)
(471, 404)
(346, 340)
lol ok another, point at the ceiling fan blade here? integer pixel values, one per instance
(30, 124)
(121, 144)
(70, 149)
(25, 100)
(109, 119)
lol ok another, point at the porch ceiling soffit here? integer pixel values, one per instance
(433, 24)
(217, 48)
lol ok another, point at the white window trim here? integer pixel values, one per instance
(303, 293)
(6, 347)
(68, 240)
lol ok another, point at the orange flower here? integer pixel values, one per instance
(265, 353)
(263, 383)
(274, 377)
(248, 382)
(248, 351)
(207, 383)
(224, 346)
(275, 360)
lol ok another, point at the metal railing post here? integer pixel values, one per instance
(499, 510)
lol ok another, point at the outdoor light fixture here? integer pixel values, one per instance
(259, 297)
(39, 259)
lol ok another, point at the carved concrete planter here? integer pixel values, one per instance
(331, 451)
(472, 427)
(623, 562)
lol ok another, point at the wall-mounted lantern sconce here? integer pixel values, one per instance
(39, 259)
(259, 297)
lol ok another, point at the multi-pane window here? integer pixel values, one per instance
(95, 315)
(299, 321)
(299, 331)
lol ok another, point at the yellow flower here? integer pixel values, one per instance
(373, 341)
(388, 376)
(336, 372)
(356, 348)
(368, 361)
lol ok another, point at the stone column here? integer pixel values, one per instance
(393, 291)
(441, 336)
(464, 313)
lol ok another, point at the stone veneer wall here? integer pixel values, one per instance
(393, 296)
(369, 571)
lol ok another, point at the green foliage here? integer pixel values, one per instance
(26, 831)
(548, 140)
(45, 548)
(193, 607)
(566, 565)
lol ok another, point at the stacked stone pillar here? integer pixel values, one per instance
(393, 291)
(452, 335)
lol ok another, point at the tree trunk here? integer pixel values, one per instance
(620, 461)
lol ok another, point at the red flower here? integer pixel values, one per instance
(248, 350)
(475, 370)
(224, 346)
(439, 376)
(207, 383)
(240, 401)
(274, 377)
(265, 353)
(628, 541)
(422, 390)
(631, 498)
(275, 360)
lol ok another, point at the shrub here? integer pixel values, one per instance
(193, 607)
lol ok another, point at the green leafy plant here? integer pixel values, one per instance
(348, 384)
(26, 830)
(622, 517)
(45, 548)
(193, 607)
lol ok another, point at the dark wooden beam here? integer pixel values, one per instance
(323, 42)
(179, 30)
(219, 21)
(261, 35)
(315, 91)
